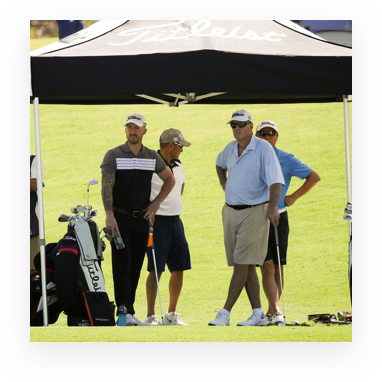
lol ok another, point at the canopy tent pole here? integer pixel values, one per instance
(40, 209)
(347, 153)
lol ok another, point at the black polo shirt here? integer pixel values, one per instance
(133, 175)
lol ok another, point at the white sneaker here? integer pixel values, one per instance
(130, 320)
(126, 320)
(152, 320)
(173, 318)
(139, 323)
(277, 318)
(254, 320)
(220, 320)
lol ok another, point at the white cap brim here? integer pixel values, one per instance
(241, 116)
(240, 119)
(264, 124)
(136, 122)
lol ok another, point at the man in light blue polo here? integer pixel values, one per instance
(252, 191)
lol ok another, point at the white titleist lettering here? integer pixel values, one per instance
(202, 28)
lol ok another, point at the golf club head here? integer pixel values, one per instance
(63, 218)
(107, 234)
(109, 237)
(92, 182)
(81, 209)
(347, 217)
(74, 210)
(349, 208)
(90, 214)
(107, 230)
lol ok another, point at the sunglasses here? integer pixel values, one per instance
(240, 124)
(270, 133)
(178, 144)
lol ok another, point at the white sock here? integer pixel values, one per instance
(225, 311)
(259, 312)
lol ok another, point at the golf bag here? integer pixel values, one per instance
(78, 266)
(74, 266)
(54, 310)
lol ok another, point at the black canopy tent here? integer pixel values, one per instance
(246, 61)
(189, 61)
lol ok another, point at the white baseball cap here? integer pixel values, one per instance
(266, 123)
(240, 115)
(136, 118)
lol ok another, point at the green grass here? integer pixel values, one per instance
(74, 140)
(36, 43)
(315, 333)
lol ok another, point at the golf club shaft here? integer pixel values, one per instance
(281, 281)
(156, 276)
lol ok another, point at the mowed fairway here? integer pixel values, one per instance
(74, 140)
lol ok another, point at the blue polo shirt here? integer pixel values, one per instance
(290, 166)
(250, 175)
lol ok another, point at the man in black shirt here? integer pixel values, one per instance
(126, 186)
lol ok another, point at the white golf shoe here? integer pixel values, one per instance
(254, 320)
(153, 320)
(274, 319)
(220, 320)
(173, 318)
(139, 322)
(125, 319)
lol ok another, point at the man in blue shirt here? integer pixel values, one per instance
(252, 190)
(69, 27)
(290, 166)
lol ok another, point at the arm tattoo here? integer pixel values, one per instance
(108, 181)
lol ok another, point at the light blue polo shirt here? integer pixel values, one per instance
(250, 175)
(290, 166)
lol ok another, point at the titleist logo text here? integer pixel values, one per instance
(202, 28)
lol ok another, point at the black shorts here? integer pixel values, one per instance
(283, 233)
(170, 246)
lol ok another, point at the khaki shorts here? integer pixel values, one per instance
(246, 234)
(34, 249)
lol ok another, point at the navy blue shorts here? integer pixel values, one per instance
(170, 246)
(283, 234)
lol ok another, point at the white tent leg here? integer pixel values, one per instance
(40, 209)
(347, 153)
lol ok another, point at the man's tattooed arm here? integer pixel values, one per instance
(108, 181)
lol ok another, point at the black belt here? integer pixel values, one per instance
(134, 214)
(172, 218)
(244, 206)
